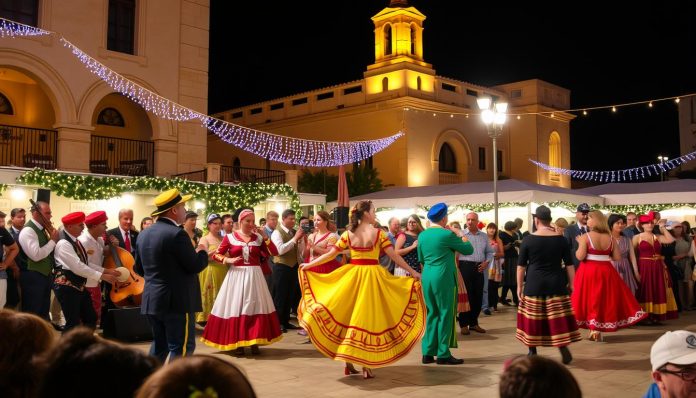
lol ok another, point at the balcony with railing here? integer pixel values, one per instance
(198, 175)
(450, 178)
(28, 147)
(109, 155)
(237, 174)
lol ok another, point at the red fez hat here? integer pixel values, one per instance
(646, 218)
(73, 218)
(96, 218)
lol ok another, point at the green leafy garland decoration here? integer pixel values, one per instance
(217, 198)
(3, 187)
(570, 206)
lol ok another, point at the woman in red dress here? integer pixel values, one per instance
(654, 292)
(601, 300)
(243, 314)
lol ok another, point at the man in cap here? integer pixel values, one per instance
(71, 273)
(170, 265)
(579, 228)
(436, 247)
(673, 359)
(92, 240)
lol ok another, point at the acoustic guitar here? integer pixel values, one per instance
(130, 292)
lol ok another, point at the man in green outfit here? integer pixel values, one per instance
(436, 247)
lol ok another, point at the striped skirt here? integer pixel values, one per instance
(546, 321)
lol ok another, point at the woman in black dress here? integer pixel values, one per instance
(545, 315)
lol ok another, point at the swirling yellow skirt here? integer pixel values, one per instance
(362, 314)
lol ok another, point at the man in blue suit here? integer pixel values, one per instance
(579, 228)
(170, 265)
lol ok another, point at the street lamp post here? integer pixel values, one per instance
(662, 160)
(493, 116)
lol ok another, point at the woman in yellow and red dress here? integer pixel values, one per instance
(243, 314)
(359, 313)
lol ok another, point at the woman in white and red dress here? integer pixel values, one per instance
(243, 314)
(601, 300)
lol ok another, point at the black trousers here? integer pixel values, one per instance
(36, 293)
(493, 293)
(77, 307)
(473, 280)
(284, 284)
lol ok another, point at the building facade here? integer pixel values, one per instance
(445, 141)
(687, 129)
(54, 113)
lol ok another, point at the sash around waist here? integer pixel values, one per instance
(598, 257)
(364, 261)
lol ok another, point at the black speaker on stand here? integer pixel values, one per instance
(341, 217)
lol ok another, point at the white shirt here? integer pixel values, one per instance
(95, 255)
(30, 243)
(278, 241)
(65, 256)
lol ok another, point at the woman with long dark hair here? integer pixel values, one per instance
(346, 312)
(495, 269)
(510, 244)
(626, 266)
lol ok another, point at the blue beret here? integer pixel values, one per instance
(437, 212)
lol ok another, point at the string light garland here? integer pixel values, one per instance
(552, 114)
(14, 29)
(278, 148)
(632, 174)
(217, 198)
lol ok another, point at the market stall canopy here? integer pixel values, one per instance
(474, 192)
(673, 191)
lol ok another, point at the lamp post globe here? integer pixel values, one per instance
(494, 116)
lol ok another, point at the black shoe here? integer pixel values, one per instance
(255, 350)
(427, 359)
(290, 326)
(565, 355)
(487, 311)
(449, 361)
(532, 351)
(58, 327)
(283, 329)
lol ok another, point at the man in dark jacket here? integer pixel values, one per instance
(170, 265)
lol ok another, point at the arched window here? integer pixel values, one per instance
(387, 39)
(554, 155)
(419, 83)
(5, 106)
(447, 161)
(110, 117)
(385, 84)
(413, 39)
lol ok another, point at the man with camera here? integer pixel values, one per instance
(286, 240)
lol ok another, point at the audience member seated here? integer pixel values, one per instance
(197, 376)
(673, 359)
(536, 376)
(25, 339)
(84, 365)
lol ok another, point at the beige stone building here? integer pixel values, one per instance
(55, 114)
(687, 129)
(445, 140)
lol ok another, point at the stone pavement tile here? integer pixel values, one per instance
(618, 367)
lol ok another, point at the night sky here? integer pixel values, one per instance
(605, 53)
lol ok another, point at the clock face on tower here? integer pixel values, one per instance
(110, 117)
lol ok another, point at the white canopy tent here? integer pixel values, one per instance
(674, 191)
(406, 200)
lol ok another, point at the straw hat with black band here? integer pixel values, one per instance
(168, 199)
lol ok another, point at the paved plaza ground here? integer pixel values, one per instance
(617, 367)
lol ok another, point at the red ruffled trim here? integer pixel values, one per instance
(242, 331)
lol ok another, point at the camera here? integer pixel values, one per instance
(307, 228)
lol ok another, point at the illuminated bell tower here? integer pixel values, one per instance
(399, 51)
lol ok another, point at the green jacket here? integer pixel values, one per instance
(436, 247)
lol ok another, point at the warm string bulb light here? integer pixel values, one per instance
(636, 173)
(270, 146)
